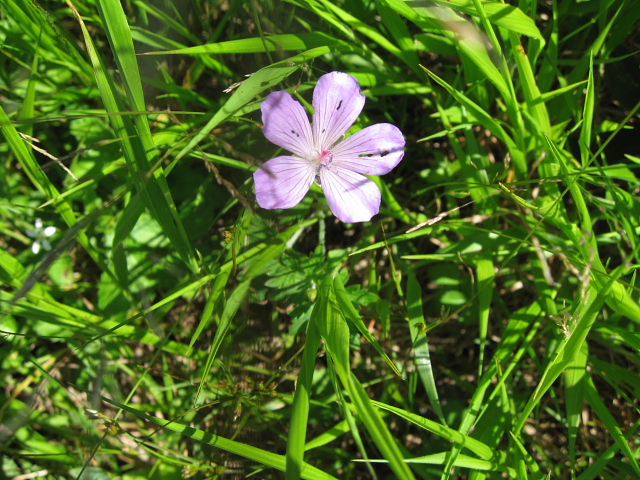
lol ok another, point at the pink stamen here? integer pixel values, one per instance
(325, 158)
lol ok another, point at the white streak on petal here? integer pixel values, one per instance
(282, 182)
(351, 196)
(286, 124)
(337, 102)
(375, 150)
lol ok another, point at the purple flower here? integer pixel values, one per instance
(321, 154)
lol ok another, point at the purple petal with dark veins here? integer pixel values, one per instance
(282, 182)
(374, 150)
(286, 124)
(351, 196)
(337, 102)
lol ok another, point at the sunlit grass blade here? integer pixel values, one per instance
(377, 429)
(587, 118)
(335, 332)
(499, 14)
(567, 349)
(528, 460)
(400, 33)
(370, 32)
(574, 384)
(248, 451)
(537, 109)
(418, 331)
(142, 154)
(300, 407)
(468, 41)
(42, 31)
(619, 298)
(168, 18)
(468, 443)
(271, 43)
(351, 313)
(486, 278)
(482, 117)
(224, 324)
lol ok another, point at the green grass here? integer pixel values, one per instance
(485, 325)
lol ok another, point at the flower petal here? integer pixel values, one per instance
(351, 196)
(286, 124)
(282, 182)
(337, 102)
(375, 150)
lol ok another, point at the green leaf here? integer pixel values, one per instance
(271, 43)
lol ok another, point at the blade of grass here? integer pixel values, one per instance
(296, 440)
(271, 43)
(142, 151)
(230, 309)
(475, 446)
(255, 454)
(349, 311)
(486, 277)
(601, 409)
(574, 385)
(567, 350)
(618, 297)
(422, 357)
(488, 121)
(335, 332)
(377, 429)
(527, 460)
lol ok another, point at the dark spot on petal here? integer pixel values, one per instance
(384, 153)
(339, 105)
(295, 133)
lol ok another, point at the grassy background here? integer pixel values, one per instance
(484, 325)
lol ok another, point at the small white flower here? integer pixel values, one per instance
(40, 235)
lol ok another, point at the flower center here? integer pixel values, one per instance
(323, 160)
